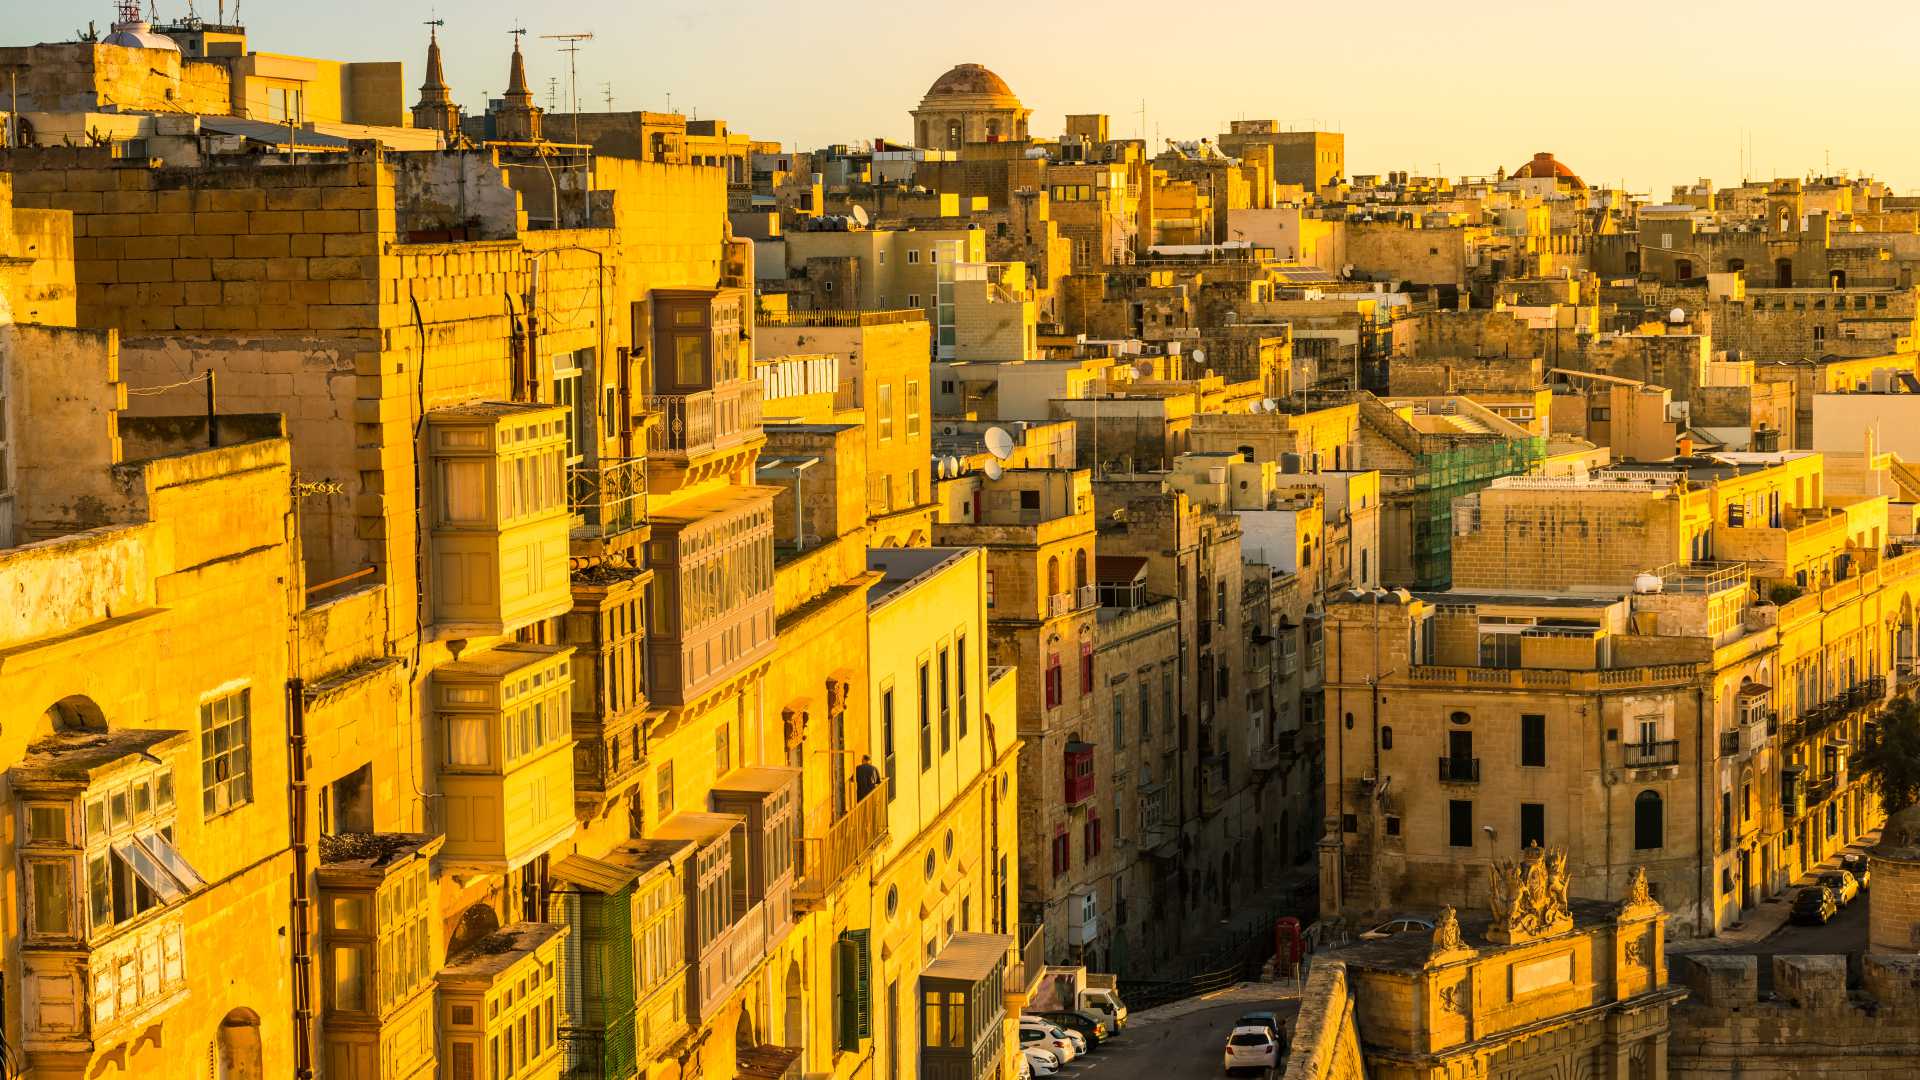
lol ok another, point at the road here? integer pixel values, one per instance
(1178, 1047)
(1847, 932)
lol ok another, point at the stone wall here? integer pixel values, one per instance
(1811, 1024)
(1326, 1043)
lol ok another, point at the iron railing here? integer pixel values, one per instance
(609, 495)
(705, 421)
(1460, 770)
(1650, 753)
(826, 860)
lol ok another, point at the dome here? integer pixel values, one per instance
(1544, 165)
(1900, 837)
(136, 35)
(969, 79)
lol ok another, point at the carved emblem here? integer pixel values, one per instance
(1529, 896)
(1453, 998)
(1639, 899)
(1637, 950)
(1446, 933)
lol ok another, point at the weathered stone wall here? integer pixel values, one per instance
(1326, 1043)
(1810, 1025)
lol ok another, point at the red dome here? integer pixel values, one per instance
(1544, 165)
(969, 79)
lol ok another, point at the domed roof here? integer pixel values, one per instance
(1900, 836)
(1545, 165)
(969, 79)
(135, 34)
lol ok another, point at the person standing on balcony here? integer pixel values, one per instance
(866, 776)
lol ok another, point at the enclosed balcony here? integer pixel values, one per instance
(600, 903)
(505, 728)
(497, 518)
(707, 401)
(1078, 769)
(768, 797)
(499, 1006)
(705, 422)
(102, 891)
(727, 933)
(379, 917)
(962, 999)
(608, 634)
(713, 617)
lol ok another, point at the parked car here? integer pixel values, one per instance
(1092, 1029)
(1856, 864)
(1038, 1061)
(1405, 924)
(1251, 1047)
(1844, 885)
(1268, 1020)
(1814, 905)
(1049, 1037)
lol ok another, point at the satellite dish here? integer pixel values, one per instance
(951, 464)
(1268, 405)
(1199, 356)
(1677, 316)
(1253, 406)
(860, 215)
(940, 467)
(994, 470)
(999, 443)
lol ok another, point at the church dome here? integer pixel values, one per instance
(969, 79)
(1545, 165)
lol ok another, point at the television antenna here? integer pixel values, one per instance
(606, 91)
(572, 49)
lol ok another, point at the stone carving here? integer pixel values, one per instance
(1453, 998)
(1446, 933)
(1639, 899)
(1637, 950)
(1529, 896)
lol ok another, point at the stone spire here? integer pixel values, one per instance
(517, 119)
(436, 109)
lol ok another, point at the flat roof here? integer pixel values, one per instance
(969, 957)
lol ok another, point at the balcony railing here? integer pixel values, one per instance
(1729, 744)
(1033, 960)
(692, 424)
(1459, 770)
(1649, 754)
(609, 496)
(1073, 600)
(826, 860)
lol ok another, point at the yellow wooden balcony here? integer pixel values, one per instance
(504, 722)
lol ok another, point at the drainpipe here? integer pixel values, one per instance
(301, 903)
(1703, 871)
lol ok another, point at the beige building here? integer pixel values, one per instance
(969, 104)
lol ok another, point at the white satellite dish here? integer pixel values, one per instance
(1253, 406)
(940, 467)
(860, 215)
(1268, 405)
(994, 470)
(1199, 356)
(999, 443)
(951, 464)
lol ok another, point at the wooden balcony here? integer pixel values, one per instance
(608, 497)
(825, 861)
(1650, 754)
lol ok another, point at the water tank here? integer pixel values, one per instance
(1647, 583)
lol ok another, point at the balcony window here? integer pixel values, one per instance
(960, 681)
(506, 718)
(500, 517)
(226, 771)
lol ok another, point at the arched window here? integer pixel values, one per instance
(926, 136)
(1649, 821)
(237, 1047)
(76, 713)
(1386, 737)
(1837, 278)
(1363, 566)
(1080, 569)
(1053, 575)
(953, 134)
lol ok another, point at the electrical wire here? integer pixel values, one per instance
(142, 391)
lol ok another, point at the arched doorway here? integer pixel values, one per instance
(743, 1038)
(795, 1024)
(237, 1047)
(1837, 278)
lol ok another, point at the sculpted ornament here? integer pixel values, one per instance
(1639, 899)
(1529, 896)
(1448, 944)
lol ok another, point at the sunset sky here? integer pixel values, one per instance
(1652, 94)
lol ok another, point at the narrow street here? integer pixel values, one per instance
(1181, 1041)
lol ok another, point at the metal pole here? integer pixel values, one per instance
(213, 420)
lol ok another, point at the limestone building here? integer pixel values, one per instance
(969, 104)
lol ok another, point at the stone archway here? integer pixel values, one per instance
(237, 1048)
(794, 1028)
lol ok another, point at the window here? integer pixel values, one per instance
(1649, 822)
(913, 408)
(886, 737)
(884, 422)
(946, 708)
(1062, 852)
(1460, 823)
(1533, 741)
(663, 791)
(1086, 667)
(690, 359)
(1091, 841)
(569, 390)
(960, 680)
(1386, 737)
(226, 772)
(913, 298)
(913, 256)
(989, 590)
(1145, 702)
(1119, 719)
(722, 750)
(1053, 689)
(926, 719)
(1533, 825)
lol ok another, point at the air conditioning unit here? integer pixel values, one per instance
(1083, 916)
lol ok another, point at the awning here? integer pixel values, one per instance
(594, 875)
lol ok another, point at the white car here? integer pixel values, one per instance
(1397, 926)
(1047, 1037)
(1251, 1048)
(1036, 1061)
(1078, 1040)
